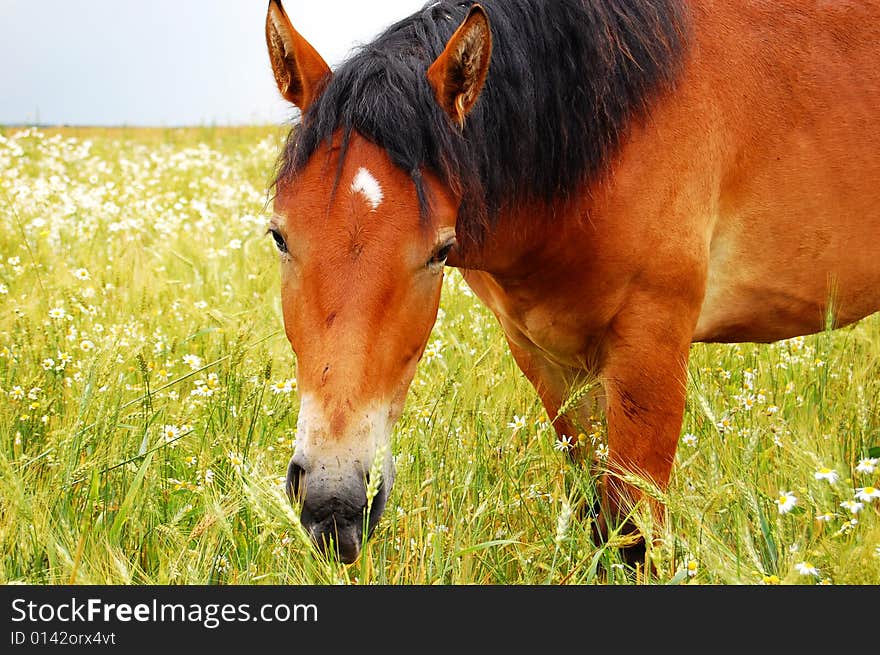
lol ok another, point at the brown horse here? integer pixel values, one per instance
(616, 179)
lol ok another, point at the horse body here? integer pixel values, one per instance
(751, 194)
(795, 216)
(747, 202)
(743, 206)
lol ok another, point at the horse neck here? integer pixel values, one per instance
(531, 237)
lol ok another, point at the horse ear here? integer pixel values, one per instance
(299, 69)
(458, 74)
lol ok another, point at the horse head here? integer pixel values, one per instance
(363, 243)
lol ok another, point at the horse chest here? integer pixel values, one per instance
(555, 321)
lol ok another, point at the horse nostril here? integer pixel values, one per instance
(293, 486)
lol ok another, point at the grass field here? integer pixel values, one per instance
(148, 407)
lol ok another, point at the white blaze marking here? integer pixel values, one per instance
(368, 186)
(368, 431)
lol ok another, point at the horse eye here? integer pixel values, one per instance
(440, 256)
(279, 240)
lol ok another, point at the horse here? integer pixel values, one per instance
(615, 179)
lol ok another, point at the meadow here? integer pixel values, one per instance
(148, 406)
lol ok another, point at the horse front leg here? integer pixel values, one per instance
(645, 381)
(554, 385)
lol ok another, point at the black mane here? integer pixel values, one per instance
(566, 79)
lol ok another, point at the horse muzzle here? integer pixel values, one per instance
(333, 505)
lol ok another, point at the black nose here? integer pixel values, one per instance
(334, 534)
(333, 509)
(294, 478)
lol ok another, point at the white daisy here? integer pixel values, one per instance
(867, 494)
(193, 361)
(825, 473)
(564, 443)
(867, 465)
(805, 568)
(786, 501)
(170, 433)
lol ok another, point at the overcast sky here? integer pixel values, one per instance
(163, 62)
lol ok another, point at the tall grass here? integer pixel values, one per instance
(148, 408)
